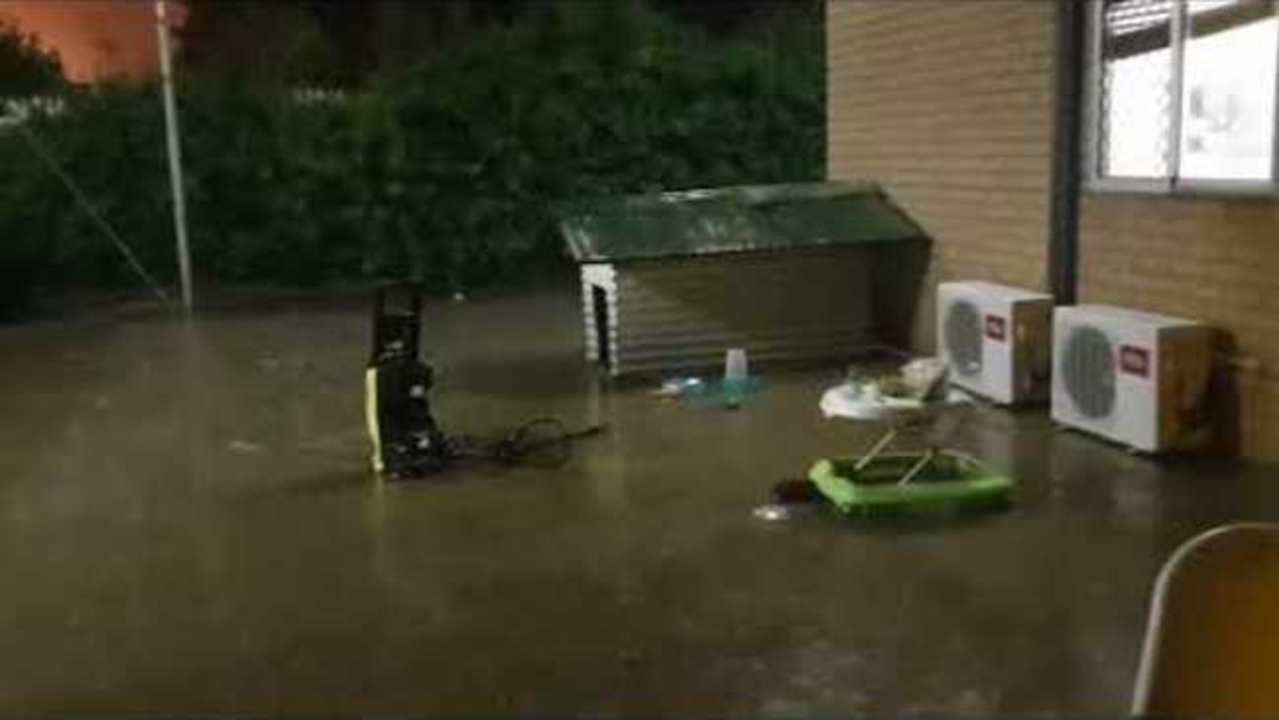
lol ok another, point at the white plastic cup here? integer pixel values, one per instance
(735, 368)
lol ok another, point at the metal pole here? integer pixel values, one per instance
(175, 152)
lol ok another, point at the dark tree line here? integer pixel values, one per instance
(343, 42)
(25, 67)
(451, 170)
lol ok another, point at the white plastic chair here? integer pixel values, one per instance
(1212, 640)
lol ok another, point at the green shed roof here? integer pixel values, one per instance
(743, 219)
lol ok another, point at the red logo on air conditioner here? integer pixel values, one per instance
(1134, 360)
(996, 328)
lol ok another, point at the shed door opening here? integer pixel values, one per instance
(599, 302)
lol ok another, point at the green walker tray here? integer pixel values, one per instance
(901, 481)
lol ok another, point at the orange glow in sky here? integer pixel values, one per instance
(96, 39)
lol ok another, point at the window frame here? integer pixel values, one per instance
(1094, 181)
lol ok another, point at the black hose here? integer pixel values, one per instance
(543, 442)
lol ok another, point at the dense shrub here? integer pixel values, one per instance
(26, 70)
(451, 172)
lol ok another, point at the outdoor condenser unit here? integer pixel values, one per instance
(996, 339)
(1132, 377)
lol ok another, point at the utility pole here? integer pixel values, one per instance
(175, 152)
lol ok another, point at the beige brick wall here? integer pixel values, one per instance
(1215, 259)
(948, 105)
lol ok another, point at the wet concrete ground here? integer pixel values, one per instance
(186, 525)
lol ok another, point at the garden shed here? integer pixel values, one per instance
(788, 272)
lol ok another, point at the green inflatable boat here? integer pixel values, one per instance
(893, 482)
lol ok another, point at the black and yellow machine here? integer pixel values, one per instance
(407, 441)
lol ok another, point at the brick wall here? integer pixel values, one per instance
(948, 105)
(1215, 259)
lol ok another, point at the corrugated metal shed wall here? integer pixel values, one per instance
(684, 313)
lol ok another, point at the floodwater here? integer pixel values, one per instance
(187, 525)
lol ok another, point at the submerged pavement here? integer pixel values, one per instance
(187, 525)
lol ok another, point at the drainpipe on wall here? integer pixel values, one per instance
(1067, 162)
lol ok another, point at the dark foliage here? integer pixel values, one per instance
(451, 172)
(26, 69)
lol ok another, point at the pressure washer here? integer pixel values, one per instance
(406, 438)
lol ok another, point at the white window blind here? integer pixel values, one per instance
(1185, 92)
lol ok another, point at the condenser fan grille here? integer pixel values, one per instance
(963, 337)
(1088, 371)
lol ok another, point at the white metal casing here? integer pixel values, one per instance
(1157, 377)
(1008, 356)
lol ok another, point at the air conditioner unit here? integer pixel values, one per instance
(996, 339)
(1132, 377)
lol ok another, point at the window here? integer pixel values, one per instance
(1184, 94)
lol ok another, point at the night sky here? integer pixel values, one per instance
(95, 38)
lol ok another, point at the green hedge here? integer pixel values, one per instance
(450, 173)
